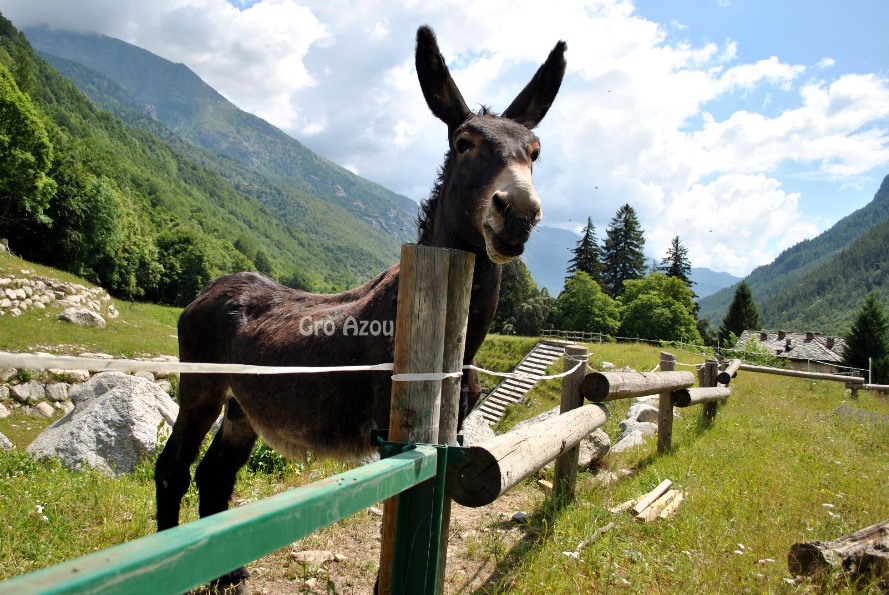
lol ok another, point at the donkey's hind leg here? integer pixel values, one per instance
(201, 401)
(216, 475)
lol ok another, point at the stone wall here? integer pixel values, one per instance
(25, 289)
(45, 392)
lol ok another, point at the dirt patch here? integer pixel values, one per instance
(482, 545)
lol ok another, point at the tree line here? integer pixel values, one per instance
(610, 290)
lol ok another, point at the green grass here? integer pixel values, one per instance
(786, 460)
(760, 476)
(141, 329)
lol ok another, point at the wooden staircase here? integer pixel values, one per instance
(513, 390)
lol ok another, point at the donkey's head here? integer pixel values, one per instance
(485, 199)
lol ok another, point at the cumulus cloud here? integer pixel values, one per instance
(694, 137)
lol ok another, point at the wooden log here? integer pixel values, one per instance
(498, 464)
(624, 506)
(883, 388)
(657, 507)
(798, 374)
(459, 289)
(665, 407)
(460, 272)
(670, 509)
(651, 496)
(599, 387)
(730, 371)
(707, 378)
(695, 396)
(565, 477)
(859, 551)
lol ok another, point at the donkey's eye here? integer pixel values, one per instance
(463, 144)
(535, 153)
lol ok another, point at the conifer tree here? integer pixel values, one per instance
(868, 339)
(676, 263)
(742, 314)
(623, 253)
(587, 254)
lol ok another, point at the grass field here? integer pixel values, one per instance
(786, 460)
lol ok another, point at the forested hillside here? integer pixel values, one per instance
(85, 192)
(177, 98)
(818, 284)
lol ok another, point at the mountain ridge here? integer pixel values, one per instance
(798, 267)
(175, 96)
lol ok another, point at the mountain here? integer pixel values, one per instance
(707, 281)
(547, 254)
(176, 97)
(818, 284)
(144, 212)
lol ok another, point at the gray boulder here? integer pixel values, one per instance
(114, 424)
(476, 429)
(82, 317)
(633, 433)
(28, 392)
(5, 443)
(643, 412)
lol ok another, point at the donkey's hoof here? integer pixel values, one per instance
(233, 583)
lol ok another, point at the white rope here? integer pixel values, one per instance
(40, 361)
(44, 361)
(420, 377)
(525, 375)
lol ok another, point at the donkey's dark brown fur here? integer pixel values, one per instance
(483, 202)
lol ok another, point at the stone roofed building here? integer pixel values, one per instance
(810, 352)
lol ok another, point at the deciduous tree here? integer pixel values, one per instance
(583, 306)
(659, 308)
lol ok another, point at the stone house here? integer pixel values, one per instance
(808, 352)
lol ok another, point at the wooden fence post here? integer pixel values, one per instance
(419, 348)
(566, 464)
(665, 407)
(707, 378)
(459, 290)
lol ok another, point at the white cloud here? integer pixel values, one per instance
(694, 137)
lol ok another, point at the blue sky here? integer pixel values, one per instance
(742, 127)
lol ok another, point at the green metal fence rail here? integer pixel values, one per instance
(189, 555)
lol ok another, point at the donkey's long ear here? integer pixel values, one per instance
(441, 93)
(538, 95)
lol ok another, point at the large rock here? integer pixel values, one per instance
(5, 443)
(27, 392)
(633, 433)
(82, 317)
(476, 429)
(114, 424)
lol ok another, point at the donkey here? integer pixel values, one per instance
(483, 202)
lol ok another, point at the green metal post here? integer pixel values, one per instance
(418, 534)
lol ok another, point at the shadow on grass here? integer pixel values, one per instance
(536, 529)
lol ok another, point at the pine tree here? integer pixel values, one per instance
(868, 339)
(623, 253)
(742, 314)
(587, 255)
(676, 263)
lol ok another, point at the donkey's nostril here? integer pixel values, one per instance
(499, 202)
